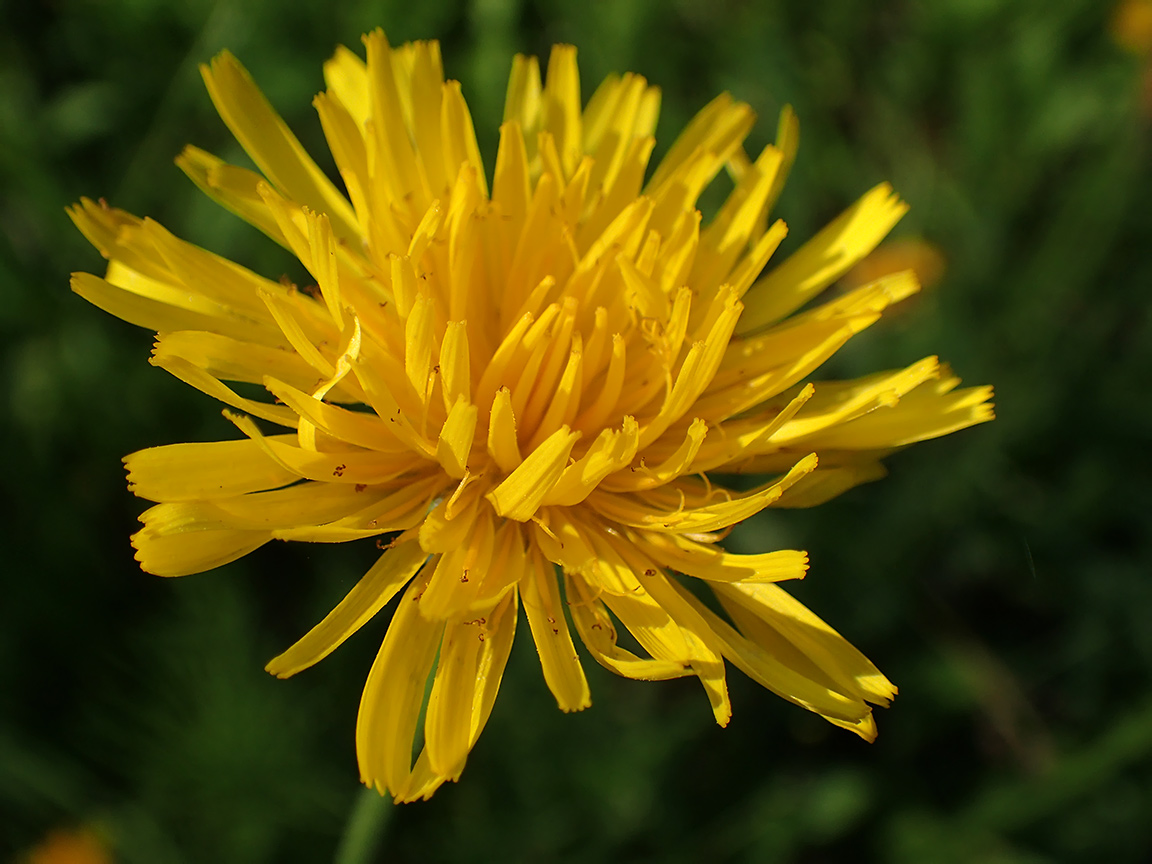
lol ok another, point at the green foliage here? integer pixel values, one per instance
(1000, 576)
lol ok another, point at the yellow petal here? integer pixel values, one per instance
(705, 561)
(652, 602)
(920, 414)
(347, 78)
(395, 160)
(458, 577)
(502, 442)
(379, 585)
(233, 360)
(212, 469)
(522, 102)
(355, 427)
(459, 137)
(737, 440)
(520, 493)
(565, 398)
(347, 466)
(380, 396)
(609, 390)
(210, 385)
(160, 307)
(190, 537)
(443, 530)
(823, 259)
(762, 667)
(635, 511)
(561, 108)
(737, 222)
(837, 402)
(454, 364)
(399, 510)
(307, 503)
(455, 442)
(346, 141)
(610, 452)
(473, 655)
(272, 146)
(671, 468)
(511, 190)
(419, 345)
(775, 620)
(722, 402)
(562, 670)
(231, 187)
(390, 705)
(696, 371)
(717, 129)
(599, 636)
(787, 142)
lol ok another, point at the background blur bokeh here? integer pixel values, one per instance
(999, 576)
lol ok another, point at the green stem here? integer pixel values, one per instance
(365, 829)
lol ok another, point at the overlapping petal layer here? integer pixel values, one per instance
(525, 388)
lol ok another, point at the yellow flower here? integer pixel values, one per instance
(526, 388)
(69, 846)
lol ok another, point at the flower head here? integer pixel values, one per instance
(526, 389)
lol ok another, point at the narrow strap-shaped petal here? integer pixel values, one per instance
(678, 463)
(562, 670)
(390, 705)
(191, 537)
(652, 602)
(210, 469)
(759, 665)
(372, 593)
(473, 651)
(455, 364)
(209, 384)
(272, 146)
(232, 187)
(355, 427)
(596, 629)
(347, 77)
(923, 413)
(837, 402)
(782, 625)
(347, 466)
(163, 307)
(456, 435)
(457, 581)
(823, 259)
(610, 452)
(520, 493)
(705, 561)
(495, 635)
(401, 510)
(233, 360)
(307, 503)
(634, 511)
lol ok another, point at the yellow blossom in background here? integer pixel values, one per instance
(924, 259)
(69, 846)
(529, 388)
(1131, 26)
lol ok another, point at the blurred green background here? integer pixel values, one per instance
(1000, 576)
